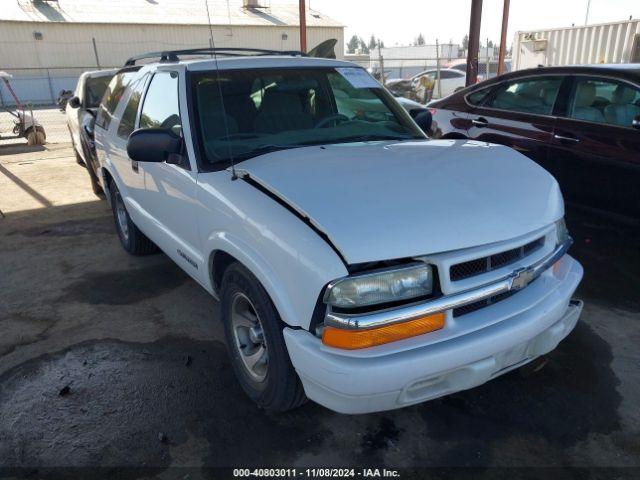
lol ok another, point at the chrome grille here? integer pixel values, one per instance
(482, 265)
(472, 307)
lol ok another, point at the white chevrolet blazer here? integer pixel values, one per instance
(358, 263)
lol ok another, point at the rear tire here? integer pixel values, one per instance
(132, 239)
(253, 332)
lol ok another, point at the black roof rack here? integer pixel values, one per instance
(169, 56)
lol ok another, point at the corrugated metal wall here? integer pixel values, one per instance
(605, 43)
(43, 67)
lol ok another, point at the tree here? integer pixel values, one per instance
(419, 40)
(363, 46)
(353, 44)
(490, 43)
(373, 43)
(465, 42)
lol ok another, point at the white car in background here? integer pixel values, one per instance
(81, 113)
(451, 80)
(358, 263)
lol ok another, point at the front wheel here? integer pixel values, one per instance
(253, 332)
(132, 239)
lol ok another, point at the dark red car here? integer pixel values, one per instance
(581, 123)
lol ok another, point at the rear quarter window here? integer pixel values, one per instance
(112, 97)
(478, 97)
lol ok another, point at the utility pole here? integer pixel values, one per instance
(303, 27)
(438, 69)
(381, 60)
(503, 37)
(474, 42)
(95, 52)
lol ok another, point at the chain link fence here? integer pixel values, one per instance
(443, 76)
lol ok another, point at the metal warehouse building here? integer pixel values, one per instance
(45, 45)
(617, 42)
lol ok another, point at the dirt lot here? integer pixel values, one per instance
(108, 359)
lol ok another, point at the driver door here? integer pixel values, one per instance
(169, 189)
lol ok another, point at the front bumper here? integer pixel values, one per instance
(388, 376)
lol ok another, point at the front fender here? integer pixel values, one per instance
(290, 260)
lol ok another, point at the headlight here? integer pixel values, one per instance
(381, 287)
(561, 231)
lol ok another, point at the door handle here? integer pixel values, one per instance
(134, 166)
(480, 122)
(562, 138)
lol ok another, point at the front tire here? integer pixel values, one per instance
(253, 332)
(132, 239)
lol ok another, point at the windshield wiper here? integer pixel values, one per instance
(262, 149)
(372, 138)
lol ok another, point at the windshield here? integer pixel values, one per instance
(274, 109)
(94, 90)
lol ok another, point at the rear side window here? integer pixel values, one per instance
(535, 96)
(605, 101)
(112, 97)
(161, 108)
(446, 74)
(128, 121)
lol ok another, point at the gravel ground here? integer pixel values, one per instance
(111, 360)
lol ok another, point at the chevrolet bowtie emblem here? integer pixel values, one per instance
(521, 278)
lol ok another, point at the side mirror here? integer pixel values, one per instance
(74, 102)
(424, 120)
(635, 123)
(154, 145)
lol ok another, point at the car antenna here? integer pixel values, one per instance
(224, 111)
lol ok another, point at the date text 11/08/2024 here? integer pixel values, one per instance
(316, 472)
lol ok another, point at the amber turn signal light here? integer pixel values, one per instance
(355, 339)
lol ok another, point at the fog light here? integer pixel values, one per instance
(355, 339)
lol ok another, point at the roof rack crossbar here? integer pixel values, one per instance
(170, 56)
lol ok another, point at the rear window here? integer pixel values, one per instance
(94, 90)
(112, 96)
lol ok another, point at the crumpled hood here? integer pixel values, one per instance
(386, 200)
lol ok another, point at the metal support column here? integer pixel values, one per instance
(303, 27)
(503, 37)
(474, 42)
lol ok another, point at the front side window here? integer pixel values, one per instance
(112, 96)
(244, 113)
(536, 96)
(604, 101)
(161, 108)
(128, 121)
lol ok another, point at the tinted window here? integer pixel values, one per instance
(535, 96)
(477, 97)
(94, 90)
(604, 101)
(128, 121)
(112, 97)
(450, 74)
(161, 108)
(244, 113)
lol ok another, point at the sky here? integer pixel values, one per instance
(400, 21)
